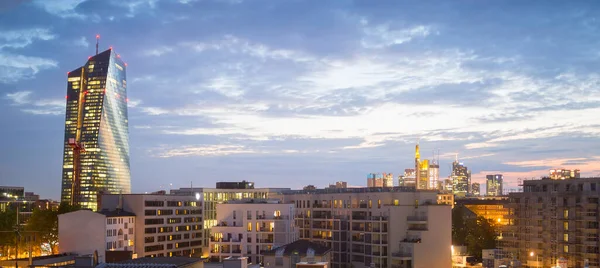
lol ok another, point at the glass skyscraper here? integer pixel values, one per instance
(96, 121)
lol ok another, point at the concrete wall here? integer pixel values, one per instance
(435, 249)
(82, 232)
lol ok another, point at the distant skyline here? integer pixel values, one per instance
(291, 93)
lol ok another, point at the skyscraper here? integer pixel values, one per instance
(475, 189)
(461, 179)
(494, 185)
(96, 142)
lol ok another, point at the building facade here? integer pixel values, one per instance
(475, 189)
(167, 225)
(552, 220)
(297, 252)
(562, 174)
(106, 233)
(210, 197)
(380, 180)
(461, 179)
(494, 209)
(96, 141)
(251, 227)
(339, 184)
(494, 185)
(389, 227)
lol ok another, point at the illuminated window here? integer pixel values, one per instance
(566, 248)
(566, 237)
(566, 213)
(396, 202)
(566, 225)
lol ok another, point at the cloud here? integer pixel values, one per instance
(133, 103)
(159, 51)
(382, 36)
(82, 41)
(61, 8)
(36, 106)
(205, 150)
(24, 37)
(18, 67)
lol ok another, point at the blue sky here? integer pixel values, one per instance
(290, 93)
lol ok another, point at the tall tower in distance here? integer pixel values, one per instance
(96, 142)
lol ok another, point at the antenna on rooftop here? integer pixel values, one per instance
(97, 42)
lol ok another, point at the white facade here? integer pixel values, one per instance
(249, 228)
(389, 227)
(167, 225)
(84, 232)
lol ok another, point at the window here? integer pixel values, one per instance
(593, 186)
(566, 213)
(566, 237)
(566, 249)
(234, 215)
(566, 225)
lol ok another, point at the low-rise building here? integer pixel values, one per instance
(251, 227)
(109, 234)
(491, 208)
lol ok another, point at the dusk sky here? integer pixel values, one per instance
(291, 93)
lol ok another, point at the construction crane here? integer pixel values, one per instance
(76, 145)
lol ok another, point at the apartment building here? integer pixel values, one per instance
(382, 227)
(224, 192)
(251, 227)
(167, 225)
(491, 208)
(298, 252)
(552, 220)
(109, 233)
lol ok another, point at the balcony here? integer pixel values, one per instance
(411, 240)
(402, 255)
(236, 251)
(358, 239)
(416, 219)
(265, 241)
(417, 228)
(265, 229)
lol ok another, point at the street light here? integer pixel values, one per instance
(537, 262)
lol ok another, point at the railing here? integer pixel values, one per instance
(265, 229)
(411, 240)
(416, 218)
(401, 254)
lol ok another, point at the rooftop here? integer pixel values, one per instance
(357, 190)
(116, 213)
(153, 262)
(300, 246)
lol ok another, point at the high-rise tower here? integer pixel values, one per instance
(96, 142)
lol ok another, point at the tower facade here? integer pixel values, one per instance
(494, 184)
(96, 141)
(461, 179)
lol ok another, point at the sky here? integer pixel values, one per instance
(289, 93)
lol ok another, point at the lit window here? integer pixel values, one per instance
(566, 248)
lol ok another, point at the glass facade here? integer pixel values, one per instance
(96, 118)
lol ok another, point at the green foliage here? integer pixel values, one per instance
(44, 223)
(8, 219)
(475, 233)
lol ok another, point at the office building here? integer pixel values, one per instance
(380, 180)
(461, 179)
(475, 189)
(494, 209)
(562, 174)
(434, 174)
(421, 170)
(494, 185)
(339, 185)
(389, 227)
(409, 179)
(300, 251)
(552, 220)
(110, 234)
(96, 142)
(167, 225)
(210, 197)
(235, 185)
(251, 227)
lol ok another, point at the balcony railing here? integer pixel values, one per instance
(416, 218)
(401, 254)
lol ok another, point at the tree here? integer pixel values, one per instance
(44, 223)
(476, 233)
(8, 220)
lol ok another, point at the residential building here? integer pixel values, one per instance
(167, 225)
(494, 209)
(251, 227)
(389, 227)
(108, 233)
(475, 189)
(445, 198)
(553, 219)
(461, 179)
(562, 174)
(210, 197)
(297, 252)
(494, 184)
(157, 262)
(96, 141)
(380, 180)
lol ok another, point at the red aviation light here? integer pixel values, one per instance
(118, 56)
(104, 91)
(97, 36)
(68, 73)
(66, 97)
(126, 64)
(110, 47)
(90, 57)
(127, 100)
